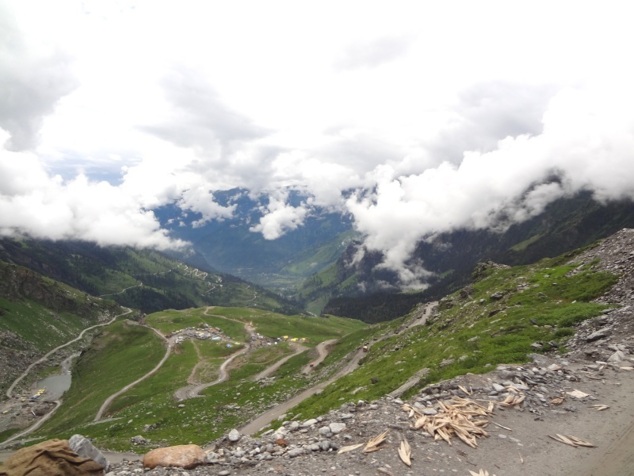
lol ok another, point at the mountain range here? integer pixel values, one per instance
(260, 363)
(316, 265)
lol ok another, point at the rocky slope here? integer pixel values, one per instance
(37, 313)
(559, 415)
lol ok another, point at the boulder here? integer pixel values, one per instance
(181, 456)
(84, 447)
(234, 435)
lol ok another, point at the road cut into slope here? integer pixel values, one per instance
(43, 359)
(298, 349)
(269, 416)
(106, 404)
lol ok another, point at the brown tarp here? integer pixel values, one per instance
(50, 458)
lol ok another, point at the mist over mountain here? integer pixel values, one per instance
(232, 245)
(450, 258)
(258, 146)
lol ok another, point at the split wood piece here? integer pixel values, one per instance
(572, 441)
(374, 443)
(502, 426)
(345, 449)
(467, 392)
(405, 452)
(578, 394)
(512, 400)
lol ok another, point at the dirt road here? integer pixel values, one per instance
(51, 352)
(192, 391)
(111, 398)
(279, 410)
(322, 352)
(43, 359)
(273, 368)
(275, 412)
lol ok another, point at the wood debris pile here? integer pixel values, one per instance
(459, 417)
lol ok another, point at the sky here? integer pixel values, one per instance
(413, 117)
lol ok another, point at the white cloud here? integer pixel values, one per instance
(41, 206)
(374, 53)
(34, 77)
(201, 200)
(586, 144)
(439, 115)
(279, 217)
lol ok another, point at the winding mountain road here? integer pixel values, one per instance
(272, 414)
(322, 352)
(260, 422)
(43, 359)
(274, 367)
(193, 391)
(58, 403)
(111, 398)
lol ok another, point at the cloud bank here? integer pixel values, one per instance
(471, 121)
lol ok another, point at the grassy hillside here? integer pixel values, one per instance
(504, 315)
(140, 279)
(127, 350)
(120, 354)
(501, 318)
(37, 314)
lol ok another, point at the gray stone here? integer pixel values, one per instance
(309, 423)
(498, 388)
(295, 452)
(618, 356)
(138, 440)
(234, 435)
(84, 448)
(324, 445)
(337, 427)
(596, 335)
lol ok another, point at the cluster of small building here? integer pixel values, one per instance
(204, 332)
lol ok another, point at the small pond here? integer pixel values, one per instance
(56, 384)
